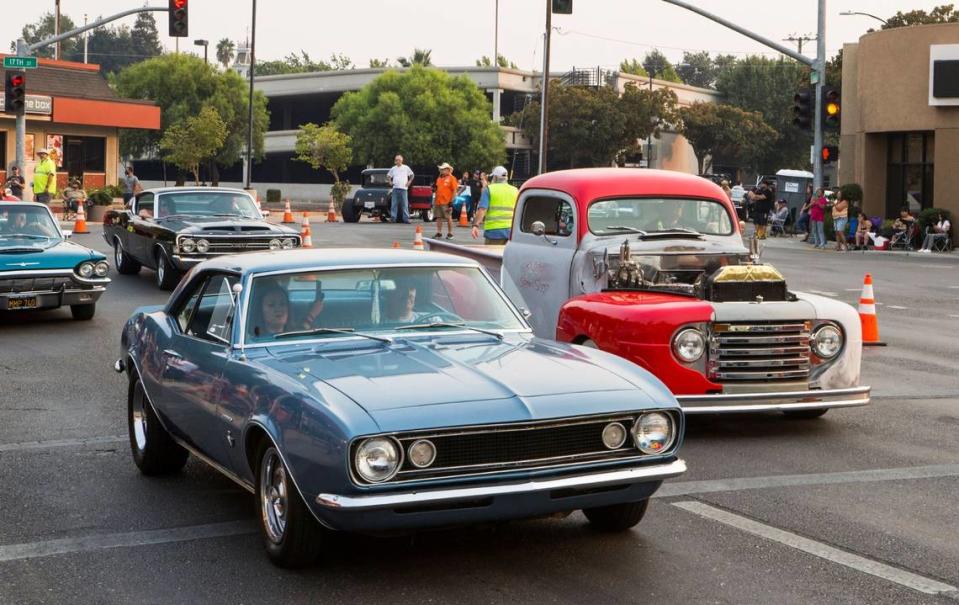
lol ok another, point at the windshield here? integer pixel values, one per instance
(208, 203)
(19, 221)
(329, 304)
(658, 215)
(376, 179)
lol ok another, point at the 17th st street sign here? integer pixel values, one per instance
(19, 62)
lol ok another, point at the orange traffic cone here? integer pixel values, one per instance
(288, 214)
(464, 221)
(331, 213)
(306, 239)
(80, 226)
(867, 315)
(418, 239)
(396, 244)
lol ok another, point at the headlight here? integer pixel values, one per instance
(653, 433)
(689, 345)
(377, 459)
(614, 435)
(102, 268)
(275, 244)
(86, 270)
(422, 453)
(187, 245)
(288, 244)
(203, 246)
(827, 341)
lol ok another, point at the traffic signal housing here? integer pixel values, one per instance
(14, 91)
(179, 18)
(830, 154)
(562, 7)
(803, 109)
(831, 108)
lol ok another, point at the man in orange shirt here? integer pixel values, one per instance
(446, 186)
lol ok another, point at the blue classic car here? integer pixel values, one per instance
(372, 391)
(40, 269)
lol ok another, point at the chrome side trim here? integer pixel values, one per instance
(639, 474)
(771, 402)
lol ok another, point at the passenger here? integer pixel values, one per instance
(399, 304)
(272, 311)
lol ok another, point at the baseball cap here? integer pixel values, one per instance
(499, 171)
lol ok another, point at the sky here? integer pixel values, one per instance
(599, 33)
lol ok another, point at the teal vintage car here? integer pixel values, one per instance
(41, 269)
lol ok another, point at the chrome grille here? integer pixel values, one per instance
(234, 245)
(759, 352)
(42, 283)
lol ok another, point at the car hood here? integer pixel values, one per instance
(18, 254)
(218, 225)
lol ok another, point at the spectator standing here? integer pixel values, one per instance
(495, 210)
(476, 190)
(401, 177)
(936, 232)
(44, 178)
(802, 223)
(817, 218)
(729, 192)
(840, 219)
(131, 185)
(762, 202)
(15, 183)
(446, 186)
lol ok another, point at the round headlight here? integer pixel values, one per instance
(614, 435)
(187, 245)
(102, 268)
(86, 270)
(203, 246)
(827, 341)
(653, 433)
(422, 453)
(377, 459)
(689, 345)
(288, 244)
(275, 244)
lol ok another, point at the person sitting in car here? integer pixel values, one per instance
(19, 223)
(272, 314)
(399, 304)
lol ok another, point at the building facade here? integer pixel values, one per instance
(900, 118)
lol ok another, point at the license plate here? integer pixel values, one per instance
(369, 205)
(24, 302)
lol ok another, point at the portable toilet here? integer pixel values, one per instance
(791, 186)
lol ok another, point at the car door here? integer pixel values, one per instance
(192, 377)
(141, 229)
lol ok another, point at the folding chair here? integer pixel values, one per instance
(942, 244)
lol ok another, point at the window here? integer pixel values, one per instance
(554, 213)
(910, 172)
(213, 316)
(84, 154)
(145, 206)
(652, 215)
(186, 312)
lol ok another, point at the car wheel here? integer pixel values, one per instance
(589, 344)
(154, 451)
(804, 414)
(349, 212)
(291, 535)
(83, 312)
(167, 276)
(427, 215)
(124, 263)
(616, 517)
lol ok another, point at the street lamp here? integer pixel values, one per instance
(850, 13)
(206, 45)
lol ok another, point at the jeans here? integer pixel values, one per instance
(802, 225)
(818, 234)
(931, 239)
(400, 207)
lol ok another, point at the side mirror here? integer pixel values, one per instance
(526, 313)
(538, 228)
(67, 234)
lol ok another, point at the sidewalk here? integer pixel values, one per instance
(796, 243)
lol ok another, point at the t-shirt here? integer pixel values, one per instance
(129, 183)
(446, 187)
(491, 233)
(817, 212)
(16, 183)
(400, 176)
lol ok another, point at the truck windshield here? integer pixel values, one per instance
(659, 215)
(376, 180)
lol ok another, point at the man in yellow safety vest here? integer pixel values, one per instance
(44, 178)
(495, 209)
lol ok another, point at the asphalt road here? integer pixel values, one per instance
(858, 506)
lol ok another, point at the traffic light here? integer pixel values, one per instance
(562, 7)
(14, 92)
(831, 108)
(803, 109)
(179, 18)
(830, 154)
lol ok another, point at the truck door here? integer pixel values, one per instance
(538, 259)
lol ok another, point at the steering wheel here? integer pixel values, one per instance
(441, 317)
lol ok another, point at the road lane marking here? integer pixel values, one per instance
(688, 488)
(897, 307)
(65, 546)
(818, 549)
(43, 445)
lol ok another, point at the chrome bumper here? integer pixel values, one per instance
(773, 402)
(185, 263)
(52, 300)
(642, 474)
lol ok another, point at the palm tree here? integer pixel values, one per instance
(420, 57)
(224, 52)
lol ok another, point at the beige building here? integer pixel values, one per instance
(900, 123)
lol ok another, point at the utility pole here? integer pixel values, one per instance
(800, 39)
(56, 29)
(496, 35)
(544, 109)
(249, 123)
(86, 42)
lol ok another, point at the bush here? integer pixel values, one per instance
(101, 197)
(930, 216)
(852, 193)
(273, 195)
(113, 190)
(886, 230)
(339, 191)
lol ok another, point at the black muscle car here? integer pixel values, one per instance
(172, 229)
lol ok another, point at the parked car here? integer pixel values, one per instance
(375, 391)
(172, 229)
(41, 269)
(373, 199)
(670, 286)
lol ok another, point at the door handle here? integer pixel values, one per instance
(172, 353)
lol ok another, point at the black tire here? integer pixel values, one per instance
(83, 312)
(349, 212)
(805, 414)
(427, 215)
(616, 517)
(167, 277)
(125, 264)
(154, 451)
(291, 536)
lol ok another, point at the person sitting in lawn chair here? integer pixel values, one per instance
(778, 218)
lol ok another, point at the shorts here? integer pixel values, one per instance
(494, 242)
(839, 224)
(443, 212)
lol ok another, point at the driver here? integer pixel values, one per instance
(399, 304)
(20, 224)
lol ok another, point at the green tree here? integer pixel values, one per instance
(112, 48)
(834, 70)
(420, 56)
(945, 13)
(718, 131)
(193, 141)
(633, 67)
(379, 63)
(225, 51)
(697, 69)
(659, 67)
(44, 28)
(424, 114)
(501, 61)
(291, 64)
(340, 62)
(145, 37)
(325, 147)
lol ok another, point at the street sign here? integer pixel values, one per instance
(19, 62)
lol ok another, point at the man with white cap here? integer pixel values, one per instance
(495, 209)
(44, 178)
(445, 188)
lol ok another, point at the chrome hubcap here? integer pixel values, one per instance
(161, 269)
(273, 496)
(139, 421)
(117, 255)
